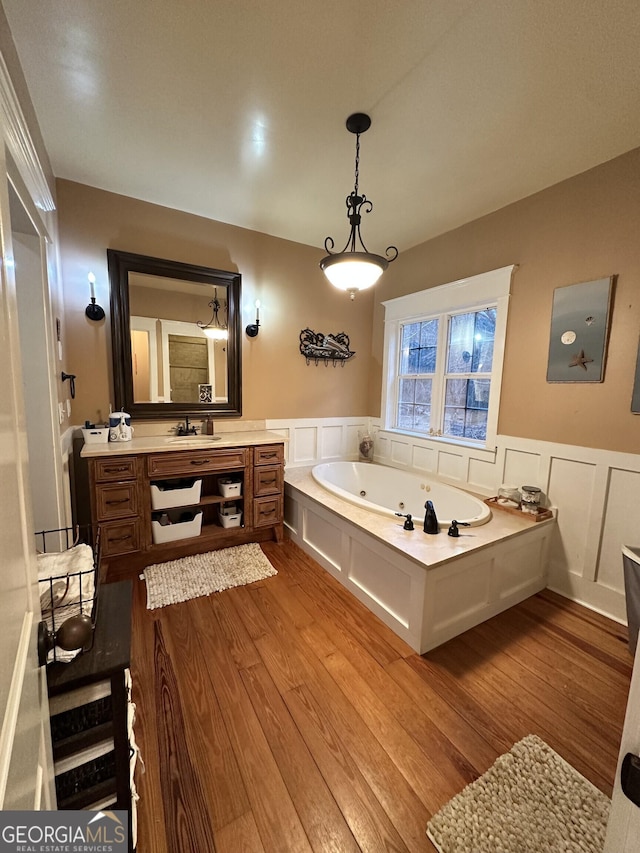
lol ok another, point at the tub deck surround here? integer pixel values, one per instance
(427, 588)
(199, 484)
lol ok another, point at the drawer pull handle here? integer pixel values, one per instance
(268, 455)
(267, 511)
(270, 482)
(116, 470)
(200, 461)
(118, 501)
(119, 538)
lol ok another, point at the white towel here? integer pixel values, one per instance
(66, 578)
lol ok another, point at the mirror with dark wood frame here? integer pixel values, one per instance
(175, 332)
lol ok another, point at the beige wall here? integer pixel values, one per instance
(285, 276)
(585, 228)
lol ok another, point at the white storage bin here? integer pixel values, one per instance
(229, 488)
(228, 519)
(179, 530)
(177, 493)
(96, 435)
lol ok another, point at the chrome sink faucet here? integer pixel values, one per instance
(185, 429)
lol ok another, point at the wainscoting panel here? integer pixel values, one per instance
(453, 467)
(621, 524)
(571, 484)
(596, 493)
(310, 441)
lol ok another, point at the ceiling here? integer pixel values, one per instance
(235, 109)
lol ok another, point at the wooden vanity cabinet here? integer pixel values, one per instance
(121, 501)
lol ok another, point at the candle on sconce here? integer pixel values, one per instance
(253, 328)
(94, 312)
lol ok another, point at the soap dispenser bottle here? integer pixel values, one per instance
(430, 519)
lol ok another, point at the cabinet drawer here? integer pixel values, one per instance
(123, 468)
(267, 480)
(117, 500)
(120, 537)
(267, 511)
(268, 454)
(194, 462)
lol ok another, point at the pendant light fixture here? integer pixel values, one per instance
(215, 328)
(354, 268)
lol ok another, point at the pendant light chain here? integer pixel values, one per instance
(355, 189)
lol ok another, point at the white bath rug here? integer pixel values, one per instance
(529, 801)
(202, 574)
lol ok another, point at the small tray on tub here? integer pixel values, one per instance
(541, 515)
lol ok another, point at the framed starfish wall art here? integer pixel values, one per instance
(579, 331)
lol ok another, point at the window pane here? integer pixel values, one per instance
(476, 425)
(410, 343)
(471, 339)
(418, 351)
(405, 416)
(484, 334)
(466, 404)
(453, 421)
(456, 393)
(427, 362)
(429, 333)
(407, 390)
(423, 391)
(415, 417)
(460, 352)
(478, 394)
(422, 418)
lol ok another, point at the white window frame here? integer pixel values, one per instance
(465, 295)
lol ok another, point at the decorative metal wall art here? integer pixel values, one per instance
(316, 346)
(579, 331)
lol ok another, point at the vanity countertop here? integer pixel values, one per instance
(171, 443)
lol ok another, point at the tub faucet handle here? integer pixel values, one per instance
(453, 530)
(408, 524)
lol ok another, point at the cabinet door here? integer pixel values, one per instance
(267, 511)
(267, 480)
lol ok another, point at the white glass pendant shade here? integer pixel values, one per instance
(353, 271)
(216, 334)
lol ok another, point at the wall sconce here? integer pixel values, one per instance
(253, 328)
(93, 311)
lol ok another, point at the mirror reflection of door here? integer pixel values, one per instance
(145, 361)
(188, 367)
(172, 359)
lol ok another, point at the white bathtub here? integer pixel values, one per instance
(388, 491)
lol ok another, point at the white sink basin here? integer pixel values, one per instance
(193, 441)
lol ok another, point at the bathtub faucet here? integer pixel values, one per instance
(453, 530)
(408, 524)
(430, 519)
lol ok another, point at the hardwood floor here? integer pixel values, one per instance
(283, 716)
